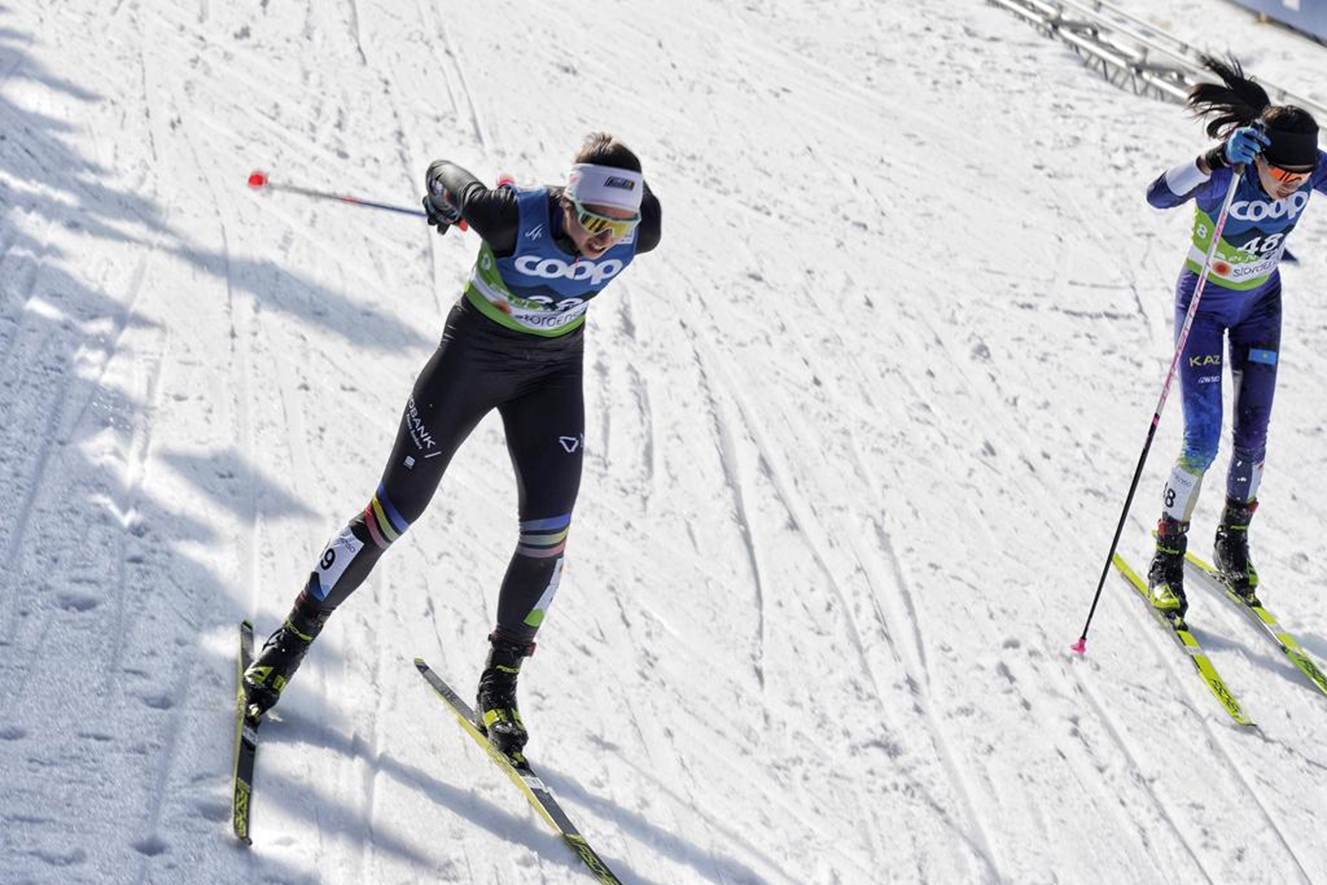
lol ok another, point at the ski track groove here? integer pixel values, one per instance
(731, 465)
(356, 33)
(27, 274)
(640, 389)
(11, 697)
(1085, 764)
(12, 68)
(294, 442)
(1218, 740)
(241, 348)
(119, 325)
(981, 844)
(279, 132)
(306, 231)
(624, 350)
(137, 456)
(1215, 740)
(912, 614)
(246, 67)
(979, 839)
(1256, 795)
(156, 794)
(403, 152)
(140, 28)
(815, 535)
(472, 107)
(372, 765)
(44, 446)
(730, 836)
(1123, 744)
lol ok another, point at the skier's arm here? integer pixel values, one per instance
(1188, 180)
(650, 230)
(1320, 174)
(1179, 185)
(490, 212)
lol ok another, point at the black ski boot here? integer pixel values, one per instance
(1232, 550)
(281, 656)
(496, 704)
(1165, 578)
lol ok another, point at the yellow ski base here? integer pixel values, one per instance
(1214, 682)
(539, 796)
(1265, 622)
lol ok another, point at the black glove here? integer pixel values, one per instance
(438, 205)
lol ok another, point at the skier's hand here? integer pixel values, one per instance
(441, 213)
(1244, 144)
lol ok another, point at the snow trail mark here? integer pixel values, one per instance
(1146, 783)
(732, 472)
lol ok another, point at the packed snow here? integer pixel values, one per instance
(859, 434)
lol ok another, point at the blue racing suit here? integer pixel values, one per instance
(1242, 297)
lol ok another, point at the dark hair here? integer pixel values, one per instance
(1289, 118)
(1238, 101)
(1234, 102)
(602, 149)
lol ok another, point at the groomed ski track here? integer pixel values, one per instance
(858, 434)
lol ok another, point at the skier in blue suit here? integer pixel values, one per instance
(1277, 146)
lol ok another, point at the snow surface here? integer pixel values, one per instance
(859, 434)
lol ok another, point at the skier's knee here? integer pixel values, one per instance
(351, 554)
(544, 538)
(382, 521)
(1250, 437)
(1252, 454)
(1198, 455)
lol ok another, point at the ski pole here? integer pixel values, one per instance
(259, 180)
(1080, 647)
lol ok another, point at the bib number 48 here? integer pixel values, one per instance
(1263, 245)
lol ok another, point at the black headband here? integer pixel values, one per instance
(1292, 149)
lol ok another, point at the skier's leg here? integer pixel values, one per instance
(448, 400)
(546, 439)
(449, 397)
(545, 435)
(1255, 345)
(1200, 386)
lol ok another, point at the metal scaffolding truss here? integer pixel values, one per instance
(1130, 53)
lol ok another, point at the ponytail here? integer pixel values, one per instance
(1234, 102)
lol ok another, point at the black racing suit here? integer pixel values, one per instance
(535, 384)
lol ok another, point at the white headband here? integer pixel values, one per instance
(606, 186)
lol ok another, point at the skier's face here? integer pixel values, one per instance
(593, 245)
(1281, 183)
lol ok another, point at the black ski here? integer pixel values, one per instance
(246, 742)
(519, 770)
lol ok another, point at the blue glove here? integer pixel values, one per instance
(1244, 144)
